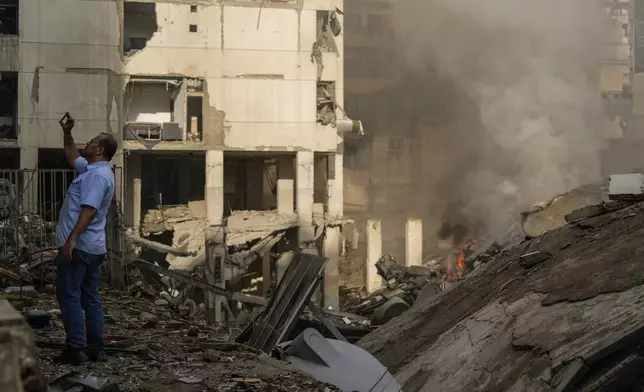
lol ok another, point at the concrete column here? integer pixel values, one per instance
(331, 272)
(214, 187)
(413, 242)
(285, 185)
(133, 191)
(29, 188)
(335, 202)
(372, 280)
(304, 200)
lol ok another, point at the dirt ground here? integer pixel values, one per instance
(512, 326)
(190, 356)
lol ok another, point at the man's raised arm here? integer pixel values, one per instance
(71, 151)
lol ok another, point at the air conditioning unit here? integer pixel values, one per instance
(138, 130)
(172, 132)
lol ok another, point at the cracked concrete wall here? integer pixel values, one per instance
(260, 83)
(69, 61)
(256, 63)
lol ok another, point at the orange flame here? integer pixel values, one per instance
(456, 269)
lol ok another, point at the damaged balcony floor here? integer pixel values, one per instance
(191, 355)
(571, 322)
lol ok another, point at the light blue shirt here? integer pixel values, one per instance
(94, 187)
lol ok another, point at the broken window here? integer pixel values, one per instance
(160, 109)
(8, 105)
(328, 27)
(195, 117)
(250, 183)
(9, 17)
(139, 25)
(193, 8)
(326, 103)
(10, 158)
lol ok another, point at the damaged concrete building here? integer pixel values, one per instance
(228, 113)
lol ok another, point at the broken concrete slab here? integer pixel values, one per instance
(626, 186)
(512, 329)
(529, 260)
(159, 247)
(391, 309)
(568, 377)
(18, 353)
(585, 212)
(550, 215)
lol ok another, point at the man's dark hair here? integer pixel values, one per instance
(109, 144)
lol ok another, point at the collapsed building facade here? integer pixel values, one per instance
(229, 116)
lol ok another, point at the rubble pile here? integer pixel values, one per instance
(561, 311)
(153, 348)
(400, 282)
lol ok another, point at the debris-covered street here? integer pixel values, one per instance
(167, 353)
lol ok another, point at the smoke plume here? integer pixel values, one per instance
(520, 118)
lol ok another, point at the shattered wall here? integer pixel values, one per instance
(255, 58)
(502, 100)
(256, 62)
(69, 61)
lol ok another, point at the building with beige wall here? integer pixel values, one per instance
(224, 108)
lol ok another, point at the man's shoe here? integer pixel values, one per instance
(97, 356)
(72, 356)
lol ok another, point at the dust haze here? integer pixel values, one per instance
(512, 95)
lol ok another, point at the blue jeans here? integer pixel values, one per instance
(77, 291)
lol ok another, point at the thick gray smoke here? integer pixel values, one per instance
(532, 125)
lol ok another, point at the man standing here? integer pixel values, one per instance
(80, 234)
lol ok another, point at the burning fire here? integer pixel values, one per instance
(455, 266)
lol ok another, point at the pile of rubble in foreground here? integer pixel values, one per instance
(560, 312)
(153, 349)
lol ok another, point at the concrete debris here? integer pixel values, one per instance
(158, 246)
(157, 221)
(73, 381)
(402, 286)
(168, 356)
(247, 226)
(244, 259)
(394, 307)
(18, 353)
(190, 237)
(550, 215)
(626, 187)
(572, 321)
(595, 210)
(566, 379)
(529, 260)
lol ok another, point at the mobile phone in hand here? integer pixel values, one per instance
(67, 121)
